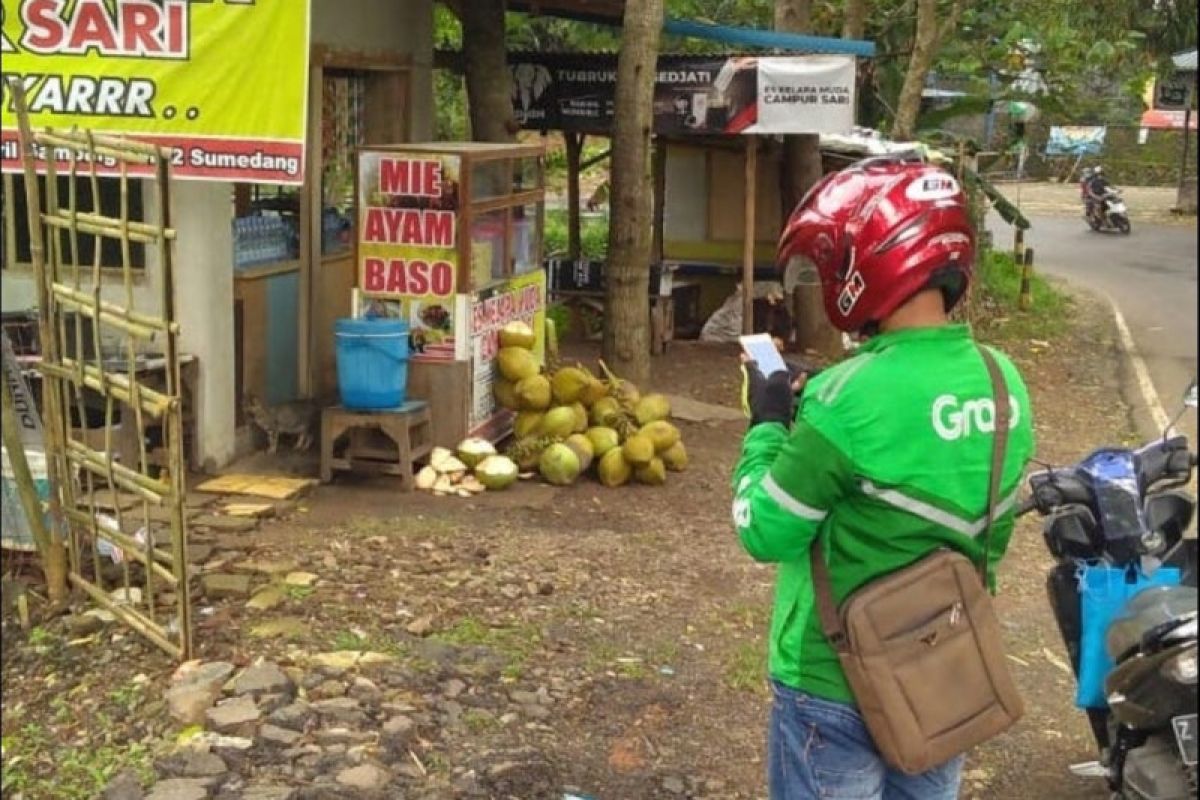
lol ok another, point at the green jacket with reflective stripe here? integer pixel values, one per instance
(889, 459)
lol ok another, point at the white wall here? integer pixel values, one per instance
(397, 25)
(685, 205)
(201, 212)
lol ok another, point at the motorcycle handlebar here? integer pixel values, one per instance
(1026, 505)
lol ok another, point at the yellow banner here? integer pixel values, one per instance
(222, 83)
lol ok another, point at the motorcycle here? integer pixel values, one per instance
(1125, 508)
(1110, 214)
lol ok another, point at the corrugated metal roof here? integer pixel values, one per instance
(753, 37)
(1185, 61)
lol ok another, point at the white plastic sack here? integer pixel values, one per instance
(725, 325)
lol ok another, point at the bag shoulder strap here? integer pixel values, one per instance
(831, 623)
(1002, 417)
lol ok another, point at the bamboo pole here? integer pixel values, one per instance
(749, 235)
(128, 544)
(51, 551)
(97, 228)
(154, 403)
(174, 425)
(54, 430)
(141, 485)
(144, 325)
(132, 618)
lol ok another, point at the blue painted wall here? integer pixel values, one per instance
(283, 300)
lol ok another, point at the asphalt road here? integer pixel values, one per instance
(1150, 275)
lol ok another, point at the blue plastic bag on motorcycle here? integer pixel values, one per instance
(1103, 592)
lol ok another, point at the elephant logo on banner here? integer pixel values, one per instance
(530, 82)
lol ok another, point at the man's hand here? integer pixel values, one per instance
(773, 398)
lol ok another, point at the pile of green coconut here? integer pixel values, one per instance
(569, 423)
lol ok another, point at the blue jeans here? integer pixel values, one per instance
(822, 749)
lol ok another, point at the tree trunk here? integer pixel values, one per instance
(627, 292)
(854, 26)
(854, 19)
(489, 84)
(801, 168)
(574, 144)
(925, 44)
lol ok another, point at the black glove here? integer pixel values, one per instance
(767, 399)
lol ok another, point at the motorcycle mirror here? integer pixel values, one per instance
(1189, 401)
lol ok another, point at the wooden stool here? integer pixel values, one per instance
(386, 441)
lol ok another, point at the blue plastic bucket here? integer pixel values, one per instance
(372, 362)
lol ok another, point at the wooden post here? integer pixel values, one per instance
(748, 235)
(311, 208)
(1025, 299)
(574, 144)
(1018, 244)
(1187, 121)
(658, 168)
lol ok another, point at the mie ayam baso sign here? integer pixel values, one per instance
(223, 84)
(408, 241)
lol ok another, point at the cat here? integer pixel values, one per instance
(297, 418)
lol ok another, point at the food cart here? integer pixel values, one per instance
(450, 240)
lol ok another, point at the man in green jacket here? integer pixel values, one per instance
(887, 459)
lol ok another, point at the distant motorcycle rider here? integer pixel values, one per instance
(1096, 189)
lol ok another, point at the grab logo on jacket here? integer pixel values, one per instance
(955, 419)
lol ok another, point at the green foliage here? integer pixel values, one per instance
(348, 640)
(39, 765)
(1000, 286)
(560, 315)
(593, 235)
(516, 643)
(128, 696)
(298, 593)
(450, 122)
(1094, 55)
(745, 670)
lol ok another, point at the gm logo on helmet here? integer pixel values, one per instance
(932, 186)
(851, 292)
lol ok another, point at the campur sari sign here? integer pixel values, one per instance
(222, 84)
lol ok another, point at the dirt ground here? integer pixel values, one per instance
(633, 608)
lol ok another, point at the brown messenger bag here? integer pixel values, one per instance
(921, 647)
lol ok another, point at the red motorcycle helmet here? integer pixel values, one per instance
(877, 233)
